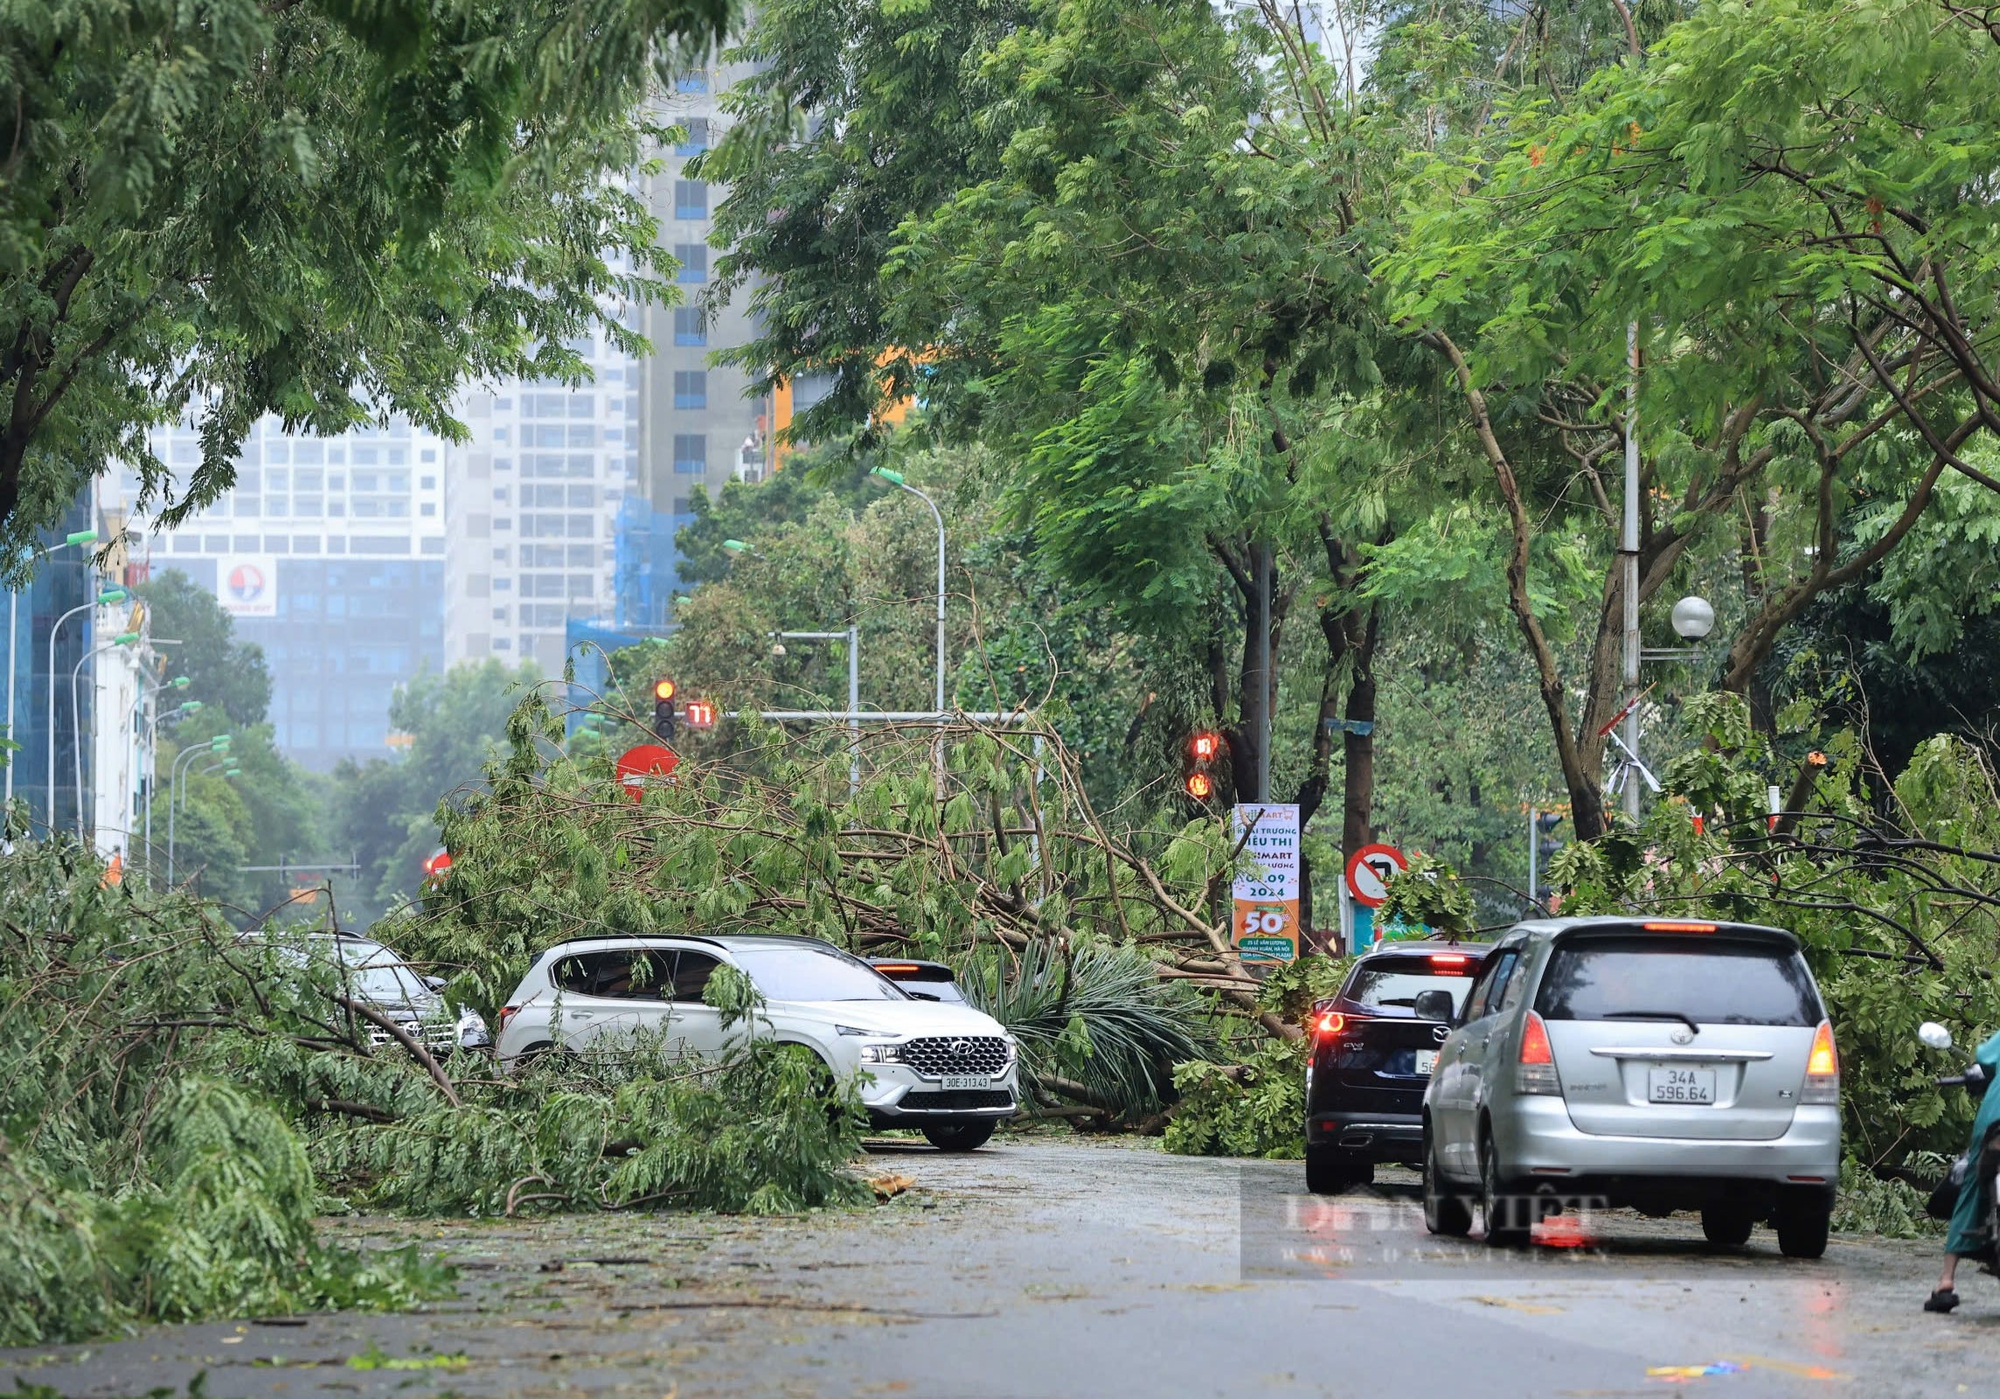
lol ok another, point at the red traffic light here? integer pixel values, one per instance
(1204, 745)
(700, 714)
(663, 689)
(1199, 785)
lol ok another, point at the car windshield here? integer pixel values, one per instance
(808, 974)
(1710, 981)
(380, 975)
(1394, 985)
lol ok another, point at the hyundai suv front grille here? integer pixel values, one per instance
(963, 1054)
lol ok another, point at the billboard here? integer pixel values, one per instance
(1265, 919)
(247, 585)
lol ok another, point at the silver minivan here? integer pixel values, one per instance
(1655, 1064)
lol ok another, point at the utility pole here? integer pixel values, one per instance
(1628, 550)
(1257, 698)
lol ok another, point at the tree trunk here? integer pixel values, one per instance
(1357, 817)
(1251, 765)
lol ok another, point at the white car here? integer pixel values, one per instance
(947, 1069)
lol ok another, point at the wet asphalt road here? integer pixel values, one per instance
(1072, 1269)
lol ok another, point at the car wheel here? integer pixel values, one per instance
(959, 1136)
(1445, 1210)
(1503, 1211)
(1727, 1223)
(1803, 1217)
(536, 1055)
(1330, 1171)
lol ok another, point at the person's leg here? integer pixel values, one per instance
(1946, 1296)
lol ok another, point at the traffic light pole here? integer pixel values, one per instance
(1534, 856)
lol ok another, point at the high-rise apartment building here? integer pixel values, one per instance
(697, 427)
(533, 501)
(329, 553)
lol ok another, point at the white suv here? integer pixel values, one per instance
(948, 1069)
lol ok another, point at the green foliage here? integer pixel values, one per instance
(753, 1132)
(324, 210)
(1253, 1107)
(151, 1166)
(384, 811)
(1428, 894)
(1893, 1209)
(1896, 919)
(1093, 1014)
(222, 673)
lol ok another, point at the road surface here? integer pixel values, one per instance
(1054, 1268)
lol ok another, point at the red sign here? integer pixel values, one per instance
(646, 760)
(1369, 870)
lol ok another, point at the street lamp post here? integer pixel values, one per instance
(895, 478)
(81, 537)
(148, 747)
(106, 598)
(220, 743)
(76, 713)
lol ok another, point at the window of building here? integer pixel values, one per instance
(690, 327)
(691, 82)
(690, 388)
(580, 556)
(696, 139)
(429, 508)
(690, 199)
(690, 453)
(582, 497)
(693, 258)
(428, 483)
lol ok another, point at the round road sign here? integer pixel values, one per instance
(646, 760)
(1369, 870)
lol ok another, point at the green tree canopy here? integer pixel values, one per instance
(221, 671)
(324, 210)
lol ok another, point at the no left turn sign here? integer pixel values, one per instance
(1369, 870)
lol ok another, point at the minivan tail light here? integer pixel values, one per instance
(1537, 1065)
(506, 1013)
(1822, 1084)
(1327, 1023)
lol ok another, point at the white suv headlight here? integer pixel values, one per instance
(881, 1054)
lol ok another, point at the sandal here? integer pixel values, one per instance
(1942, 1300)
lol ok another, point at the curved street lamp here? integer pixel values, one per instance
(218, 744)
(77, 540)
(107, 598)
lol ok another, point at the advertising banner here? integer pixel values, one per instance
(247, 585)
(1266, 917)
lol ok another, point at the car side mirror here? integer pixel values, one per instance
(1433, 1005)
(436, 983)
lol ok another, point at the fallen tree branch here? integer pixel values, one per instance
(408, 1041)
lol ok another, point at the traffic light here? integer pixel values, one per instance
(1545, 846)
(700, 714)
(1204, 746)
(663, 708)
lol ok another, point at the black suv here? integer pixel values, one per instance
(1373, 1046)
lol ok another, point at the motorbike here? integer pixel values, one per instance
(1981, 1159)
